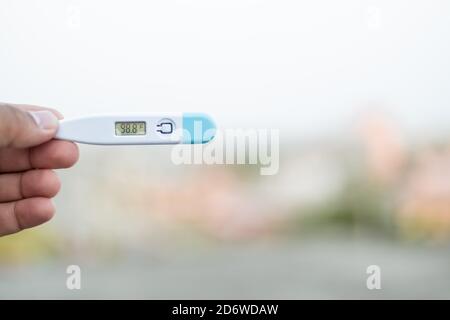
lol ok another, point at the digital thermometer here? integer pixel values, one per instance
(150, 128)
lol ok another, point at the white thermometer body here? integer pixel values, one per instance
(146, 128)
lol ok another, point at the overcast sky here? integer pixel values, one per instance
(306, 66)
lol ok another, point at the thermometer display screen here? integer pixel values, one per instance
(130, 128)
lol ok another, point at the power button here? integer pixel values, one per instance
(165, 126)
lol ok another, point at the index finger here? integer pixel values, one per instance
(55, 154)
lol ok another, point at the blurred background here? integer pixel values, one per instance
(360, 91)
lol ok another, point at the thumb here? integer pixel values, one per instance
(22, 129)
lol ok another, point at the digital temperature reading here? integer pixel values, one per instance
(130, 128)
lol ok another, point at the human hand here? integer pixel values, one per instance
(27, 156)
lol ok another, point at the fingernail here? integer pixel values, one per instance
(45, 119)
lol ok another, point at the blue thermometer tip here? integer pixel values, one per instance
(198, 128)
